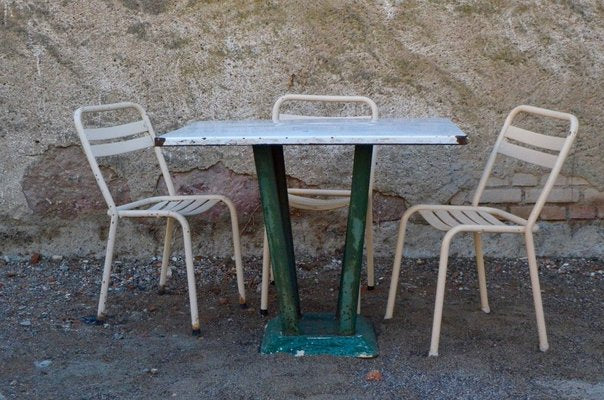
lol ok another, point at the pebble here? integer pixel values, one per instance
(374, 376)
(56, 258)
(25, 322)
(35, 258)
(43, 363)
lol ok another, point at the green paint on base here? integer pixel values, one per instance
(319, 336)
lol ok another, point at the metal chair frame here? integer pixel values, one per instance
(139, 135)
(305, 199)
(478, 219)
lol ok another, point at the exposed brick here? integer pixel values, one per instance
(593, 196)
(521, 211)
(61, 184)
(497, 182)
(567, 180)
(557, 195)
(387, 208)
(241, 189)
(512, 195)
(553, 213)
(459, 198)
(524, 180)
(576, 211)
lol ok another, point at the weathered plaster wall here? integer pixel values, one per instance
(471, 61)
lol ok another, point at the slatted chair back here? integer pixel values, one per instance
(278, 116)
(117, 139)
(547, 151)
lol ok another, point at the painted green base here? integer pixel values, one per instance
(319, 336)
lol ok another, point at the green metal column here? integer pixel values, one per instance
(355, 235)
(270, 168)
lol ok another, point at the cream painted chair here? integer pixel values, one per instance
(139, 135)
(478, 219)
(323, 199)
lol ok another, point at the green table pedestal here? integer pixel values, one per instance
(342, 333)
(319, 336)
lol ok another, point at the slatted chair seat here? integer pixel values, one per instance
(546, 151)
(183, 205)
(134, 136)
(445, 218)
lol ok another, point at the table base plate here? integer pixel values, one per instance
(319, 336)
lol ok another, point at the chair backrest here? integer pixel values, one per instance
(117, 139)
(512, 142)
(278, 116)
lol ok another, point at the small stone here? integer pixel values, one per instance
(152, 308)
(25, 322)
(374, 376)
(43, 363)
(13, 383)
(154, 371)
(420, 261)
(11, 274)
(35, 258)
(223, 300)
(56, 258)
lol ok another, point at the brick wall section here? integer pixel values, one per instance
(572, 198)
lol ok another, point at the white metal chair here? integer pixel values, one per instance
(478, 219)
(323, 199)
(139, 135)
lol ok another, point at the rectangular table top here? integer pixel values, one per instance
(320, 132)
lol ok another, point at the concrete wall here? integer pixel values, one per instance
(471, 61)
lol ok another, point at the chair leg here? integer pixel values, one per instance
(107, 269)
(396, 267)
(186, 233)
(166, 255)
(482, 280)
(237, 250)
(534, 273)
(440, 294)
(369, 246)
(266, 262)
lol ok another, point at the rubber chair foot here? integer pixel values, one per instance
(264, 313)
(370, 287)
(196, 332)
(93, 320)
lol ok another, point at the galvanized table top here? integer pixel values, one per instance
(322, 132)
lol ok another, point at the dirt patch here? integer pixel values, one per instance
(146, 351)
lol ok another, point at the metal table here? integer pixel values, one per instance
(343, 333)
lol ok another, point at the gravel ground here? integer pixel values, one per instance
(145, 349)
